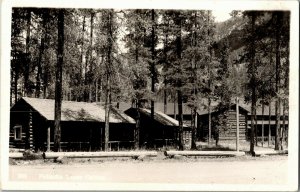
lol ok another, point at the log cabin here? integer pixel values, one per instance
(82, 126)
(266, 122)
(162, 131)
(224, 132)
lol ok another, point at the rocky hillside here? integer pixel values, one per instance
(230, 31)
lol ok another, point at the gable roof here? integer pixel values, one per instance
(247, 108)
(159, 107)
(215, 109)
(186, 110)
(160, 117)
(76, 111)
(266, 109)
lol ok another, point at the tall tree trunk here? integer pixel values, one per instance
(194, 80)
(41, 64)
(165, 78)
(283, 125)
(209, 81)
(270, 99)
(96, 90)
(58, 81)
(152, 68)
(91, 55)
(152, 62)
(107, 113)
(16, 84)
(137, 101)
(46, 65)
(45, 85)
(278, 128)
(253, 82)
(194, 131)
(137, 130)
(108, 73)
(39, 72)
(165, 98)
(286, 101)
(256, 130)
(27, 63)
(179, 84)
(175, 105)
(277, 61)
(90, 93)
(81, 59)
(16, 77)
(86, 95)
(45, 78)
(180, 120)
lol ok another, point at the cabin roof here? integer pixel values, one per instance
(246, 107)
(76, 111)
(186, 110)
(163, 118)
(266, 109)
(160, 117)
(215, 109)
(159, 107)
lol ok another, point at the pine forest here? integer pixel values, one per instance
(143, 56)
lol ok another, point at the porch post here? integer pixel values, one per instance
(48, 138)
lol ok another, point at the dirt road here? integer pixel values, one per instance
(200, 171)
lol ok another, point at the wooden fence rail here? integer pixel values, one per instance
(54, 155)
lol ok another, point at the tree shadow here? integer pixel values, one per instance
(81, 115)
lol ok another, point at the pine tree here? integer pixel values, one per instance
(58, 82)
(27, 61)
(41, 59)
(176, 72)
(137, 56)
(250, 53)
(18, 53)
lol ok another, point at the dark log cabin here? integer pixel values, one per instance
(265, 123)
(162, 131)
(227, 132)
(82, 126)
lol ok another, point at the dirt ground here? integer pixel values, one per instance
(204, 170)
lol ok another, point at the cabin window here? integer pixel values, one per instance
(18, 132)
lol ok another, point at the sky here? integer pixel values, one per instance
(221, 15)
